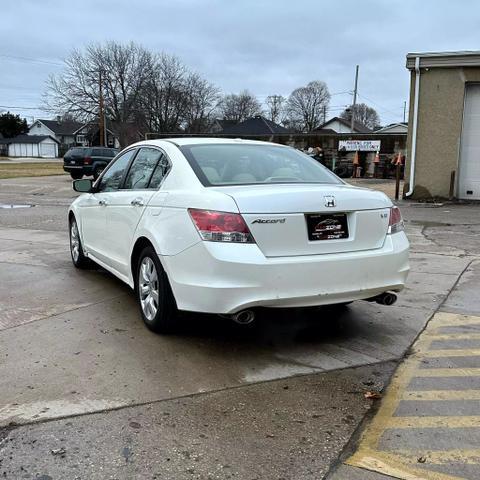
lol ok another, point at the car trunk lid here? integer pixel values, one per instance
(288, 220)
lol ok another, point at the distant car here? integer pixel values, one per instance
(223, 226)
(80, 161)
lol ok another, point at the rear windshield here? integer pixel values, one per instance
(104, 152)
(77, 151)
(231, 164)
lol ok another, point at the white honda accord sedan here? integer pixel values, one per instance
(223, 226)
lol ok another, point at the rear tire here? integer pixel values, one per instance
(76, 250)
(76, 175)
(154, 294)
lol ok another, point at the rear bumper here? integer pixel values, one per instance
(85, 169)
(226, 278)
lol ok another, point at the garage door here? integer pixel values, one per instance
(47, 150)
(469, 169)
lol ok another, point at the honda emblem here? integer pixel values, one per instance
(330, 201)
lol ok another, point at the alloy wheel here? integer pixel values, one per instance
(148, 288)
(74, 241)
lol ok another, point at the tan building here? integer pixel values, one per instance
(443, 142)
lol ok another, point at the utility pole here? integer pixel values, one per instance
(404, 110)
(324, 113)
(352, 123)
(101, 118)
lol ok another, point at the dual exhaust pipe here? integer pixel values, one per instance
(245, 317)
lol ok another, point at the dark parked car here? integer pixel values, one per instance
(80, 161)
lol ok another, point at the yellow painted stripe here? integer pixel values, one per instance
(451, 319)
(453, 352)
(431, 395)
(394, 466)
(447, 372)
(404, 464)
(442, 457)
(455, 336)
(434, 422)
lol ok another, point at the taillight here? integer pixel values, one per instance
(395, 223)
(87, 160)
(221, 226)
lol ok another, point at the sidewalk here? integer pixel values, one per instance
(428, 424)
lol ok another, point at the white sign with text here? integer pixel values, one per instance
(359, 145)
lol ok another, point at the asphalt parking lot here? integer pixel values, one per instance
(87, 392)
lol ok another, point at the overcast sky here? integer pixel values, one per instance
(266, 46)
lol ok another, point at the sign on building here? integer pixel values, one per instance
(359, 145)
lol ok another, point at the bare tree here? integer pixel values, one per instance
(120, 70)
(306, 106)
(164, 97)
(276, 108)
(202, 100)
(364, 114)
(240, 106)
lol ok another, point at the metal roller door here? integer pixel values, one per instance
(469, 168)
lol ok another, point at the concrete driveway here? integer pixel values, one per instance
(88, 392)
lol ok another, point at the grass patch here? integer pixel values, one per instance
(16, 170)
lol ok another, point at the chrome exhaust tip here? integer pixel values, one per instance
(386, 298)
(244, 317)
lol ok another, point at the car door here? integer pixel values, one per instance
(127, 206)
(95, 205)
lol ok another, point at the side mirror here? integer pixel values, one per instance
(83, 186)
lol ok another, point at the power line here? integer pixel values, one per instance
(20, 108)
(29, 59)
(396, 114)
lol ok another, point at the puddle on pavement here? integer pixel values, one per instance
(7, 205)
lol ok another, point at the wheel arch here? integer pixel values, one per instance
(137, 249)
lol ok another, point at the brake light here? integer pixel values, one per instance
(395, 223)
(221, 226)
(87, 160)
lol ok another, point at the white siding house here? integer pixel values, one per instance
(340, 125)
(42, 146)
(61, 130)
(394, 128)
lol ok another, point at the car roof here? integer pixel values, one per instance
(180, 141)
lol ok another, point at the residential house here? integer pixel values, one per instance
(340, 125)
(255, 126)
(61, 130)
(43, 146)
(88, 135)
(401, 127)
(220, 124)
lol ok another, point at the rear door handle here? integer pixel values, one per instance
(103, 203)
(138, 202)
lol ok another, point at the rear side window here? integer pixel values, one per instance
(98, 152)
(159, 173)
(77, 151)
(142, 168)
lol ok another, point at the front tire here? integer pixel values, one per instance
(154, 294)
(76, 175)
(79, 259)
